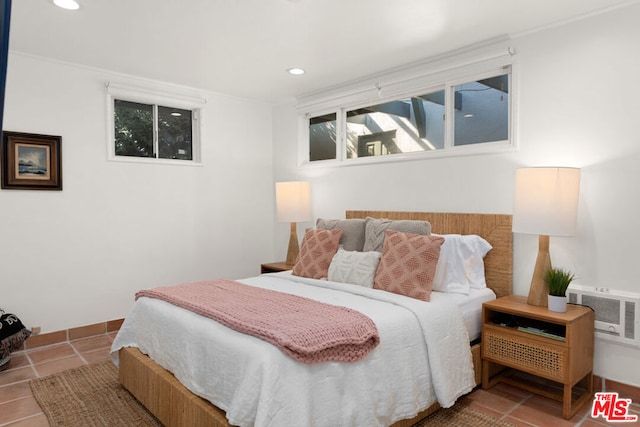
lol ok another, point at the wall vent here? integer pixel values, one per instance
(617, 312)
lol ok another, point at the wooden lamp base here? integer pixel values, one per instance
(294, 248)
(539, 289)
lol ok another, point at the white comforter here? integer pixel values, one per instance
(423, 357)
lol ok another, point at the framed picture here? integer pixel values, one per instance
(31, 161)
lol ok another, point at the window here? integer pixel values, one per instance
(322, 137)
(403, 126)
(146, 127)
(482, 111)
(452, 117)
(153, 131)
(133, 129)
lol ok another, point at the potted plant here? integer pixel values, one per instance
(558, 280)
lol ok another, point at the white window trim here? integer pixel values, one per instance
(450, 134)
(396, 87)
(153, 97)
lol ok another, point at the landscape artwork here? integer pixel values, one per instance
(33, 161)
(30, 161)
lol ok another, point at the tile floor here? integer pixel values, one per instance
(18, 408)
(522, 408)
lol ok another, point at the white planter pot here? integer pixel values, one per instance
(557, 304)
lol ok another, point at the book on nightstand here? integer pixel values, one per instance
(541, 332)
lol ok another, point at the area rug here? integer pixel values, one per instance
(91, 396)
(461, 416)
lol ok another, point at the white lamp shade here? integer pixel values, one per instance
(293, 201)
(546, 201)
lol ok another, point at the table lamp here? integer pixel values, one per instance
(546, 203)
(293, 204)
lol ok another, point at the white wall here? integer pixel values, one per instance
(576, 106)
(77, 257)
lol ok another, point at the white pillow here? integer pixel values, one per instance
(461, 266)
(354, 267)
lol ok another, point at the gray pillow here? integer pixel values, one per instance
(352, 231)
(375, 228)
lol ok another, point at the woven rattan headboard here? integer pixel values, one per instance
(495, 229)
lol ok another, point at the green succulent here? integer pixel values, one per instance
(558, 280)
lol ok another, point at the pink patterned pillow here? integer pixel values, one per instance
(408, 264)
(316, 253)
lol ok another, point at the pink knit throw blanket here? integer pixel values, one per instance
(308, 331)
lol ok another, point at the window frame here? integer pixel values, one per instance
(450, 107)
(446, 80)
(154, 99)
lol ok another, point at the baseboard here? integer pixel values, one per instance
(72, 334)
(624, 390)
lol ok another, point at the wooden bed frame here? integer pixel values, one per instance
(165, 397)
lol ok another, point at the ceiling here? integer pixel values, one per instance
(243, 47)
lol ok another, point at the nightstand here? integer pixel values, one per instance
(525, 346)
(274, 267)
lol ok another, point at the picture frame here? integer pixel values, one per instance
(31, 161)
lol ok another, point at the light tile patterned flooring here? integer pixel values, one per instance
(18, 408)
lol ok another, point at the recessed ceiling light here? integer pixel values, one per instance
(295, 71)
(67, 4)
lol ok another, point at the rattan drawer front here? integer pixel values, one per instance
(533, 356)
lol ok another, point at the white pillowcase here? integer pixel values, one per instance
(354, 267)
(461, 266)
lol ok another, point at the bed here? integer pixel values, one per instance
(175, 405)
